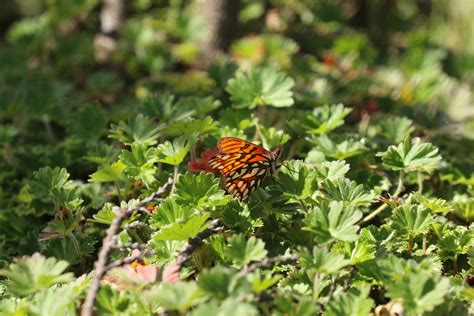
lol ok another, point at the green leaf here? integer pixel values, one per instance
(200, 105)
(297, 181)
(340, 151)
(140, 162)
(89, 123)
(216, 282)
(326, 118)
(183, 231)
(178, 296)
(170, 212)
(418, 290)
(353, 302)
(411, 156)
(271, 137)
(463, 207)
(112, 302)
(109, 211)
(67, 197)
(259, 87)
(453, 242)
(47, 302)
(30, 275)
(360, 251)
(7, 134)
(102, 154)
(200, 191)
(323, 261)
(139, 130)
(234, 307)
(242, 251)
(411, 220)
(109, 173)
(332, 170)
(433, 204)
(396, 129)
(230, 307)
(163, 106)
(348, 192)
(52, 185)
(260, 284)
(189, 127)
(332, 221)
(46, 179)
(174, 153)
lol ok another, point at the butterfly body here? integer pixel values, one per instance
(243, 165)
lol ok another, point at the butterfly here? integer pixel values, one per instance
(243, 165)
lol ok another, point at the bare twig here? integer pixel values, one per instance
(134, 245)
(175, 178)
(127, 260)
(266, 264)
(108, 243)
(384, 206)
(332, 288)
(348, 280)
(184, 256)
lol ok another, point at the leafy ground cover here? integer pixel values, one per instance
(108, 204)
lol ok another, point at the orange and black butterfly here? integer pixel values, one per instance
(243, 165)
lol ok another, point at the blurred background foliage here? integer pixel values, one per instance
(63, 80)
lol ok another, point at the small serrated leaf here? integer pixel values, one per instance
(332, 221)
(411, 220)
(183, 231)
(242, 251)
(411, 156)
(261, 86)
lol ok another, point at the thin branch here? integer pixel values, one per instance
(134, 245)
(184, 256)
(332, 289)
(127, 260)
(175, 178)
(347, 281)
(420, 182)
(108, 243)
(266, 263)
(384, 206)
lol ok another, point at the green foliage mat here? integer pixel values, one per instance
(371, 210)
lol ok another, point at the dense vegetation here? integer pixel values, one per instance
(371, 211)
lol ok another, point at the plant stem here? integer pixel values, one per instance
(379, 209)
(316, 284)
(410, 243)
(400, 185)
(117, 187)
(424, 244)
(78, 250)
(455, 264)
(175, 177)
(420, 183)
(135, 235)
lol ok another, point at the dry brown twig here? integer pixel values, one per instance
(266, 264)
(184, 256)
(108, 244)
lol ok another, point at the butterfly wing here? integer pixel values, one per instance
(243, 165)
(242, 182)
(231, 145)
